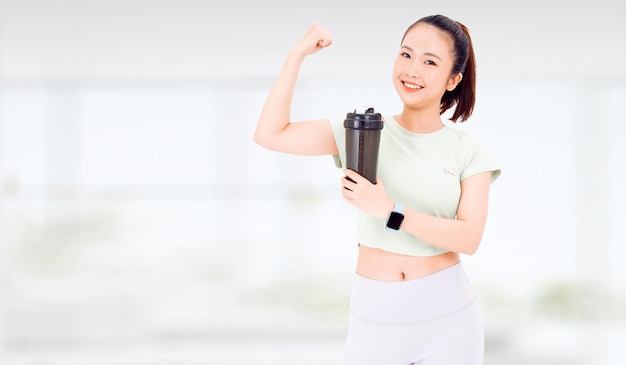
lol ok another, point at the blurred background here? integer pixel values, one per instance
(140, 224)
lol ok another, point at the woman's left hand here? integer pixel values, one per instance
(372, 199)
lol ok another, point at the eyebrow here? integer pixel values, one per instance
(425, 53)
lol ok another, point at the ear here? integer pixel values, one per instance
(454, 81)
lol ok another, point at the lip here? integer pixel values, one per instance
(412, 88)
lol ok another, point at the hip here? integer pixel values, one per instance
(411, 301)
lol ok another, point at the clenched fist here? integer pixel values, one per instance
(316, 38)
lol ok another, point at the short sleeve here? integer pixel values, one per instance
(479, 159)
(339, 133)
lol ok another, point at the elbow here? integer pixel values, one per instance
(471, 250)
(260, 140)
(257, 139)
(471, 245)
(265, 138)
(471, 238)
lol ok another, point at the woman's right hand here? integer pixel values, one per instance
(316, 38)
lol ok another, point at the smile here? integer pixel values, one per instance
(412, 86)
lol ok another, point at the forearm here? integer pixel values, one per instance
(276, 112)
(461, 235)
(450, 234)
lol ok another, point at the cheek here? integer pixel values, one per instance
(430, 76)
(397, 68)
(436, 78)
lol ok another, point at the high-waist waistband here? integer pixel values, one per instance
(419, 300)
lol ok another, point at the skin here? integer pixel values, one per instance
(421, 74)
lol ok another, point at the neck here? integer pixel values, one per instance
(420, 122)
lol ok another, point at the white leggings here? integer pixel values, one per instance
(435, 320)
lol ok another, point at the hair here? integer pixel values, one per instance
(464, 95)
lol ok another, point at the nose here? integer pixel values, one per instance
(413, 70)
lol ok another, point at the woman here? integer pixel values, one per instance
(411, 301)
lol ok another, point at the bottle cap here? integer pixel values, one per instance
(363, 117)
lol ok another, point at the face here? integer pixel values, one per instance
(423, 68)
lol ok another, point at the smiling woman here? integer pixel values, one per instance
(427, 205)
(435, 39)
(147, 108)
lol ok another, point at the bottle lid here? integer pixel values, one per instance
(363, 117)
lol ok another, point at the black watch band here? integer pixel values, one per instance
(396, 217)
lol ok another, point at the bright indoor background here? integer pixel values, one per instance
(140, 224)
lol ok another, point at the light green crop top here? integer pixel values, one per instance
(421, 171)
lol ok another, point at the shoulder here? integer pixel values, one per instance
(476, 155)
(463, 140)
(461, 134)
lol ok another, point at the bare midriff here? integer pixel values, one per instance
(377, 264)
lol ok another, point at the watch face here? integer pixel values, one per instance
(395, 220)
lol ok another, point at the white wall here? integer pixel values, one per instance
(246, 38)
(130, 185)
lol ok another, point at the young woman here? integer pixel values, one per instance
(411, 302)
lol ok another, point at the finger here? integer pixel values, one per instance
(353, 178)
(347, 183)
(325, 41)
(315, 39)
(353, 175)
(323, 34)
(347, 194)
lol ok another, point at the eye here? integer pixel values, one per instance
(405, 55)
(430, 62)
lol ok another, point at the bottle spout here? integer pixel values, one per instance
(364, 109)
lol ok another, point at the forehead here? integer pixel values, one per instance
(424, 37)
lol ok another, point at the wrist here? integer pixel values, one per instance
(297, 55)
(396, 217)
(387, 209)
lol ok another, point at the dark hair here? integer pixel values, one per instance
(464, 95)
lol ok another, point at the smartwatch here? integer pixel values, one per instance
(396, 217)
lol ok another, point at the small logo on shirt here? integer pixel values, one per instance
(447, 171)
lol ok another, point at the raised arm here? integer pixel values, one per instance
(275, 130)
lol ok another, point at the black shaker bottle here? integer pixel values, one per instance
(362, 140)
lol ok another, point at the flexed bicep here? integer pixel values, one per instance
(310, 138)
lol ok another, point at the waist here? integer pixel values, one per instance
(430, 297)
(377, 264)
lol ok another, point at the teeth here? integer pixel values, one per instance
(412, 86)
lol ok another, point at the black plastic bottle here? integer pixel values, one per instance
(363, 130)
